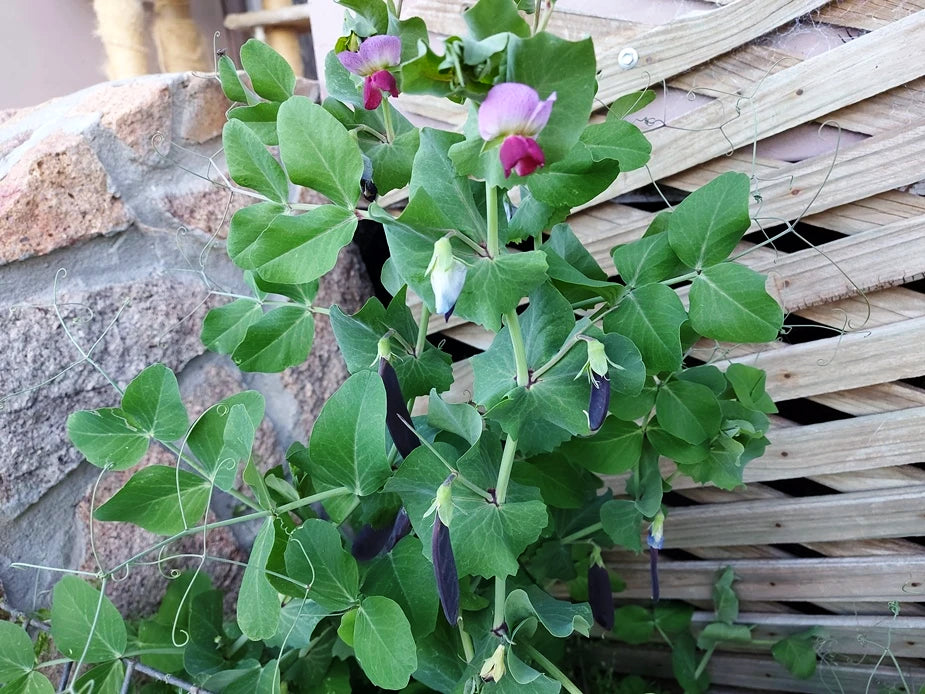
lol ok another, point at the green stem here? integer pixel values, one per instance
(422, 331)
(468, 650)
(238, 645)
(320, 496)
(552, 670)
(56, 661)
(234, 493)
(703, 661)
(584, 532)
(500, 595)
(520, 351)
(558, 356)
(504, 474)
(491, 219)
(681, 278)
(387, 119)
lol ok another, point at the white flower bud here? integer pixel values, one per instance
(447, 276)
(493, 667)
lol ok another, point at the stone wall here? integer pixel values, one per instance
(108, 231)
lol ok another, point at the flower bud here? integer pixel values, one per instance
(493, 667)
(656, 531)
(598, 364)
(444, 500)
(445, 571)
(397, 418)
(600, 594)
(447, 276)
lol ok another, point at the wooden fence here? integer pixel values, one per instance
(829, 529)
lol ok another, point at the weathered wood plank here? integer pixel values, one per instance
(864, 67)
(296, 17)
(864, 579)
(847, 516)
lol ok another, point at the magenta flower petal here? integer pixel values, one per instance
(521, 155)
(513, 109)
(376, 53)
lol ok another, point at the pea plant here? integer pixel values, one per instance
(456, 548)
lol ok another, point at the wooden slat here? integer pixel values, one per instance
(862, 68)
(295, 17)
(881, 478)
(882, 354)
(761, 672)
(849, 516)
(864, 579)
(867, 14)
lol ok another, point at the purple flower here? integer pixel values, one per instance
(514, 112)
(376, 55)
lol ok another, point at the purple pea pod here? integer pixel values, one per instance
(370, 542)
(400, 528)
(655, 540)
(397, 418)
(653, 570)
(600, 596)
(445, 571)
(599, 402)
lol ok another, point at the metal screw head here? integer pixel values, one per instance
(628, 58)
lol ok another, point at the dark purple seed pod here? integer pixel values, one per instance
(600, 596)
(445, 571)
(370, 542)
(653, 570)
(370, 191)
(400, 528)
(397, 418)
(599, 402)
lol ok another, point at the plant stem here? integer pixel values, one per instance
(584, 532)
(504, 474)
(234, 493)
(466, 642)
(387, 119)
(237, 645)
(552, 670)
(491, 219)
(520, 352)
(500, 595)
(422, 331)
(703, 661)
(558, 356)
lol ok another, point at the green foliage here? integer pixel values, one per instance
(512, 468)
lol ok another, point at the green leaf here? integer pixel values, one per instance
(405, 576)
(258, 602)
(17, 656)
(33, 683)
(560, 617)
(519, 670)
(622, 521)
(203, 654)
(573, 270)
(461, 419)
(384, 645)
(709, 222)
(154, 636)
(225, 326)
(629, 375)
(725, 601)
(489, 17)
(316, 557)
(729, 303)
(616, 139)
(292, 249)
(250, 164)
(633, 624)
(105, 437)
(532, 218)
(339, 82)
(688, 410)
(270, 74)
(674, 448)
(103, 679)
(280, 339)
(224, 434)
(347, 626)
(153, 497)
(495, 286)
(651, 316)
(647, 260)
(684, 662)
(630, 103)
(175, 605)
(347, 445)
(574, 180)
(645, 485)
(297, 622)
(673, 617)
(152, 401)
(261, 119)
(573, 80)
(392, 161)
(797, 653)
(318, 152)
(231, 83)
(706, 375)
(372, 12)
(562, 484)
(720, 632)
(615, 448)
(487, 539)
(84, 623)
(749, 386)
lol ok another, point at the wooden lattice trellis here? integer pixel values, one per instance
(826, 533)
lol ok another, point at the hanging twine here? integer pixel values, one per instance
(120, 26)
(177, 38)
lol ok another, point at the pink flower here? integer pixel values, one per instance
(515, 112)
(376, 55)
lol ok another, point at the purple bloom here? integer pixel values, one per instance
(514, 112)
(445, 571)
(376, 55)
